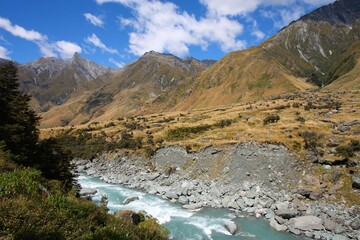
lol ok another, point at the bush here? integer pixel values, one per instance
(311, 140)
(185, 132)
(300, 119)
(224, 123)
(348, 150)
(273, 118)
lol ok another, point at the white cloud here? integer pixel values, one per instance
(93, 39)
(160, 26)
(63, 49)
(4, 53)
(94, 20)
(257, 32)
(318, 2)
(18, 31)
(66, 49)
(289, 15)
(117, 64)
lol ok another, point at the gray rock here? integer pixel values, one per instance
(233, 204)
(90, 171)
(192, 206)
(153, 176)
(339, 237)
(248, 202)
(230, 226)
(355, 224)
(278, 227)
(183, 200)
(265, 202)
(246, 186)
(286, 213)
(356, 181)
(215, 192)
(171, 195)
(87, 191)
(240, 202)
(306, 223)
(294, 231)
(130, 199)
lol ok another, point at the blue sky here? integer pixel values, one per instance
(116, 32)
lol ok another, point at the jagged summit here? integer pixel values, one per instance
(339, 12)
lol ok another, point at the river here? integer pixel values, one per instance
(207, 223)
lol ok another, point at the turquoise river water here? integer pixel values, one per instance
(207, 223)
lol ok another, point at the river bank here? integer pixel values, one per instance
(260, 179)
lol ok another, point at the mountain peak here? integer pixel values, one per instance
(339, 12)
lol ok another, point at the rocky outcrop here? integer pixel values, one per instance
(307, 223)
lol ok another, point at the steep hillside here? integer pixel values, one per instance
(51, 81)
(241, 76)
(348, 68)
(311, 47)
(140, 84)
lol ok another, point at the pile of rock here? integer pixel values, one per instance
(285, 210)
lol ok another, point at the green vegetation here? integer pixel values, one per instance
(37, 197)
(348, 150)
(185, 132)
(273, 118)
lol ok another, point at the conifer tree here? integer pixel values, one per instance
(18, 123)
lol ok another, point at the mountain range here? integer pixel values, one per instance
(320, 50)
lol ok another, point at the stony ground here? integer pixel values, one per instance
(264, 180)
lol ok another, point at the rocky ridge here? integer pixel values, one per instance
(184, 177)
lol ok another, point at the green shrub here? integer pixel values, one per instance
(185, 132)
(224, 123)
(311, 140)
(273, 118)
(348, 150)
(300, 119)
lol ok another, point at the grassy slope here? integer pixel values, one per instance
(186, 127)
(348, 68)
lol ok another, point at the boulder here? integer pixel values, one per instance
(307, 223)
(230, 226)
(355, 224)
(249, 202)
(240, 202)
(192, 206)
(171, 195)
(87, 191)
(130, 199)
(215, 192)
(183, 200)
(90, 171)
(286, 213)
(278, 227)
(356, 181)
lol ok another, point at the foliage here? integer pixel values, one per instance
(300, 119)
(224, 123)
(311, 140)
(273, 118)
(348, 150)
(19, 134)
(182, 133)
(17, 122)
(58, 216)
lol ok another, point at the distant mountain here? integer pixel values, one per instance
(51, 81)
(318, 49)
(132, 90)
(312, 46)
